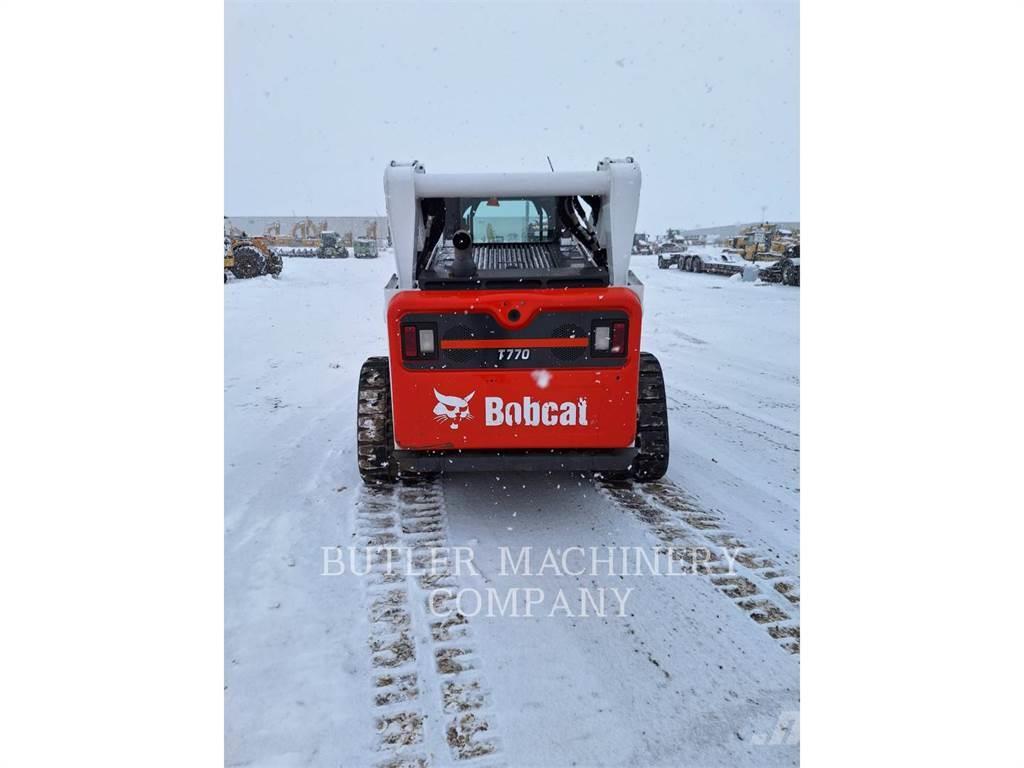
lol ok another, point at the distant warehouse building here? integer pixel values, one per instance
(299, 230)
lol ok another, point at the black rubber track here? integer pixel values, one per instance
(374, 430)
(651, 422)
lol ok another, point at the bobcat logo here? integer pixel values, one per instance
(453, 410)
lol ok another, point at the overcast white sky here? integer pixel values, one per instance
(320, 96)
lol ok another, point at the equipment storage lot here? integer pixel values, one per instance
(691, 669)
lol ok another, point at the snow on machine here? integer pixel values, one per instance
(364, 248)
(786, 270)
(725, 263)
(513, 327)
(250, 257)
(641, 245)
(331, 246)
(670, 256)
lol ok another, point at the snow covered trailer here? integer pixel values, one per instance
(513, 325)
(725, 263)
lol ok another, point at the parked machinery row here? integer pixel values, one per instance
(335, 246)
(739, 254)
(731, 261)
(246, 256)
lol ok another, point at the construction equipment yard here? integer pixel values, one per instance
(509, 454)
(693, 666)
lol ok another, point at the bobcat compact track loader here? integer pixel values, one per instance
(513, 327)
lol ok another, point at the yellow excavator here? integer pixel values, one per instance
(246, 256)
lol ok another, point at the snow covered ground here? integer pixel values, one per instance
(351, 671)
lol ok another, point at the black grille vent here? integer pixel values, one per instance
(515, 256)
(569, 331)
(459, 333)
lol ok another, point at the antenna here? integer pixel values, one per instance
(549, 163)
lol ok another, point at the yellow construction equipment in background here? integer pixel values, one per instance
(250, 257)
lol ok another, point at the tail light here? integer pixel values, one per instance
(608, 338)
(618, 338)
(419, 342)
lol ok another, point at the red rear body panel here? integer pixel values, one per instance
(555, 393)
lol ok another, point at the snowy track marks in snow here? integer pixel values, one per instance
(734, 419)
(428, 694)
(463, 698)
(399, 718)
(753, 582)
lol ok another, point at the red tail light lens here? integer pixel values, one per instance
(419, 342)
(618, 339)
(410, 343)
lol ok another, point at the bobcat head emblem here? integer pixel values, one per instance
(453, 410)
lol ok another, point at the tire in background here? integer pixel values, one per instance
(249, 262)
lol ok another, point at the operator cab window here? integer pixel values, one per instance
(507, 220)
(522, 242)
